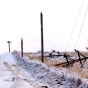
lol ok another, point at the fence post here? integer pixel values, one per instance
(22, 47)
(42, 49)
(9, 45)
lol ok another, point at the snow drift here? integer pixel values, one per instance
(8, 57)
(34, 74)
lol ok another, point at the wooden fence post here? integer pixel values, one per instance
(22, 47)
(42, 49)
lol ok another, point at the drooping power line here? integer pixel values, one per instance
(81, 27)
(74, 26)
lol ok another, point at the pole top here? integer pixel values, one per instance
(21, 38)
(41, 12)
(8, 42)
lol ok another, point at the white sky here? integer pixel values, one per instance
(22, 18)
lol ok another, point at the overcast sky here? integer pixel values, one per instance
(22, 18)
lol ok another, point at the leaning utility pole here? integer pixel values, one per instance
(9, 45)
(22, 46)
(42, 50)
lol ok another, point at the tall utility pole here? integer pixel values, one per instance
(42, 49)
(22, 46)
(9, 45)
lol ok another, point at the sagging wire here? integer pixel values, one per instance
(74, 26)
(81, 27)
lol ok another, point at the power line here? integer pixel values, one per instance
(81, 27)
(74, 26)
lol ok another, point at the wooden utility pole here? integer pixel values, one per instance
(22, 47)
(42, 49)
(9, 45)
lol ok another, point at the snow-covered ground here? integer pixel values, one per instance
(18, 72)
